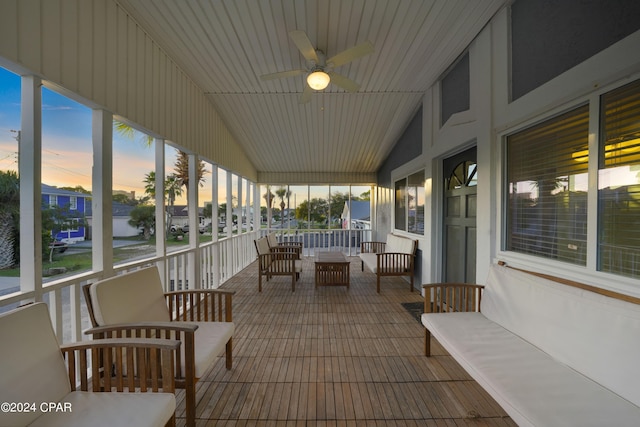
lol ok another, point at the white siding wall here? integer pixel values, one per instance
(93, 49)
(490, 116)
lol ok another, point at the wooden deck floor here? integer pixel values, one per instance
(334, 356)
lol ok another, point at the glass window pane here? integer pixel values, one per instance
(619, 182)
(401, 205)
(10, 104)
(204, 202)
(318, 206)
(298, 199)
(547, 187)
(175, 199)
(235, 203)
(133, 193)
(67, 159)
(222, 203)
(360, 209)
(339, 197)
(415, 194)
(281, 206)
(267, 201)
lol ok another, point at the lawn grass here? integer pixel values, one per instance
(75, 260)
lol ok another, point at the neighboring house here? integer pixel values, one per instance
(121, 217)
(74, 204)
(358, 214)
(180, 216)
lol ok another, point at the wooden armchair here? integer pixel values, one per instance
(50, 388)
(449, 297)
(284, 246)
(134, 305)
(279, 262)
(395, 257)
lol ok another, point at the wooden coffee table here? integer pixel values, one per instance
(332, 269)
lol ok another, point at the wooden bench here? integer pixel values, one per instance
(551, 352)
(42, 386)
(395, 257)
(135, 304)
(278, 261)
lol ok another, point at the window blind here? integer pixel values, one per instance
(619, 182)
(547, 188)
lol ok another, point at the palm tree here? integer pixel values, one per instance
(269, 197)
(283, 193)
(181, 168)
(172, 189)
(9, 209)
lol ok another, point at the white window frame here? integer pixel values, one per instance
(589, 273)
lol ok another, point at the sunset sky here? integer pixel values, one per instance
(66, 144)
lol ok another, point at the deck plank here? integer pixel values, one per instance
(335, 357)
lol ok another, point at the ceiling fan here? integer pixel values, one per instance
(319, 69)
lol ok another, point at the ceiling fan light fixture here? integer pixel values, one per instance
(318, 80)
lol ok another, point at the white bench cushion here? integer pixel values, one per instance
(132, 297)
(596, 335)
(112, 409)
(262, 245)
(530, 385)
(399, 244)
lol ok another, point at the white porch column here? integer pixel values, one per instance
(102, 199)
(257, 217)
(229, 204)
(161, 214)
(194, 272)
(215, 250)
(30, 161)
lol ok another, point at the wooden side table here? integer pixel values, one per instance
(332, 269)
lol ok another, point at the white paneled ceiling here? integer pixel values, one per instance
(225, 46)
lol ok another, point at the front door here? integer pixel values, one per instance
(460, 204)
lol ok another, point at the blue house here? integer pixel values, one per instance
(73, 205)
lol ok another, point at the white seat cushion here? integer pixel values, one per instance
(211, 339)
(370, 260)
(529, 384)
(112, 409)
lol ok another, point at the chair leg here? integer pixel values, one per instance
(190, 380)
(293, 283)
(259, 281)
(190, 397)
(229, 353)
(427, 342)
(378, 282)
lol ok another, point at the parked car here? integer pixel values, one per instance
(201, 228)
(175, 229)
(58, 246)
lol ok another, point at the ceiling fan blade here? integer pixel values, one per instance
(306, 95)
(304, 45)
(282, 74)
(344, 82)
(349, 55)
